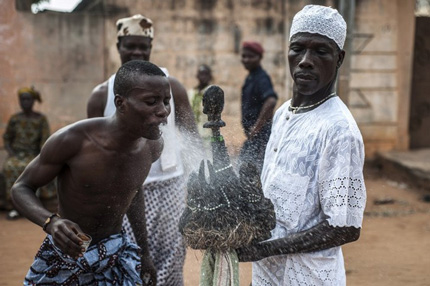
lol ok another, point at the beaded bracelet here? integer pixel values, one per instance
(48, 220)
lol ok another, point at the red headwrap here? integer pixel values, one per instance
(253, 46)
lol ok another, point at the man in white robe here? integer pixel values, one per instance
(313, 165)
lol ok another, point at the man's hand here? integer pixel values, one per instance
(148, 274)
(65, 235)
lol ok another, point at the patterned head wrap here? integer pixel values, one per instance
(321, 20)
(30, 90)
(253, 46)
(136, 25)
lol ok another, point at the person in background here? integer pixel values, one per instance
(164, 188)
(195, 96)
(100, 165)
(313, 166)
(258, 104)
(26, 132)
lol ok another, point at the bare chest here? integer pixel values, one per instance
(108, 171)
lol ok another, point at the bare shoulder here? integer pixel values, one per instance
(65, 142)
(78, 130)
(97, 101)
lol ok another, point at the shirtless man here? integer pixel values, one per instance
(164, 188)
(100, 165)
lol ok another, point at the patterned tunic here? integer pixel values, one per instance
(25, 135)
(313, 171)
(112, 261)
(164, 204)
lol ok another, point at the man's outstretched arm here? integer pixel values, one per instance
(320, 237)
(136, 216)
(184, 115)
(42, 170)
(266, 115)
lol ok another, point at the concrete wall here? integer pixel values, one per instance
(191, 32)
(66, 55)
(62, 55)
(381, 71)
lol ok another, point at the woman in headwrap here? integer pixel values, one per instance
(25, 134)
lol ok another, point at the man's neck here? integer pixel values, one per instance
(255, 69)
(300, 99)
(202, 86)
(120, 135)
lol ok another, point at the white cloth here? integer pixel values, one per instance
(110, 107)
(313, 171)
(164, 204)
(168, 165)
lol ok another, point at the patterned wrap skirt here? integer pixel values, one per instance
(112, 261)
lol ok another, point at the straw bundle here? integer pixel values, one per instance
(227, 212)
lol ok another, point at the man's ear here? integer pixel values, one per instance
(340, 58)
(120, 102)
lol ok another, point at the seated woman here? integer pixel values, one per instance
(25, 134)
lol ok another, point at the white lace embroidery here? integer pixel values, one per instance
(288, 211)
(295, 270)
(344, 197)
(321, 20)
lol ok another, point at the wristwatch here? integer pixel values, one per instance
(48, 220)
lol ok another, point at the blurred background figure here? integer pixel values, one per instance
(195, 96)
(258, 104)
(25, 134)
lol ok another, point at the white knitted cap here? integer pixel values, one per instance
(321, 20)
(136, 25)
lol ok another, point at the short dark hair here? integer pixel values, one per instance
(126, 75)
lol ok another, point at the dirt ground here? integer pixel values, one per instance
(393, 248)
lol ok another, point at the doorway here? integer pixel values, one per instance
(419, 118)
